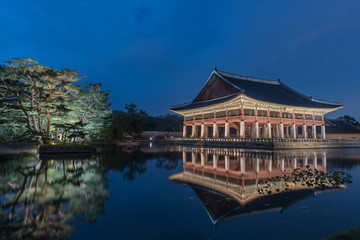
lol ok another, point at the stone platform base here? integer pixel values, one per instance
(261, 143)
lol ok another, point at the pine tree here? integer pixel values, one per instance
(38, 91)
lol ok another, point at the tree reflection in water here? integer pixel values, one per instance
(132, 162)
(42, 199)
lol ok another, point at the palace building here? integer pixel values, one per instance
(230, 104)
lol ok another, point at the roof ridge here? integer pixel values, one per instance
(310, 98)
(237, 76)
(274, 82)
(326, 102)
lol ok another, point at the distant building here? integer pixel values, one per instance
(340, 129)
(253, 108)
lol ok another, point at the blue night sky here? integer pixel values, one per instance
(160, 53)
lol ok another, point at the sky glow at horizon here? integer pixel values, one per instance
(160, 53)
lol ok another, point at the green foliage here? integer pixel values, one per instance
(89, 113)
(47, 104)
(351, 234)
(136, 119)
(350, 120)
(168, 122)
(133, 122)
(119, 125)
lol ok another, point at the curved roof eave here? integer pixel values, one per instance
(209, 103)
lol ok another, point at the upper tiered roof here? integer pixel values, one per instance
(223, 86)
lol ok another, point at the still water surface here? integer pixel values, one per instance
(168, 192)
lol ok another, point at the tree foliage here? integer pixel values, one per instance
(132, 122)
(49, 103)
(168, 123)
(350, 120)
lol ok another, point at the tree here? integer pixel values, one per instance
(132, 122)
(169, 123)
(90, 113)
(12, 126)
(39, 92)
(136, 119)
(119, 125)
(350, 120)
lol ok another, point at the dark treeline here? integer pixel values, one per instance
(351, 120)
(48, 105)
(134, 121)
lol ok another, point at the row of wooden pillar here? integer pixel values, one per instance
(268, 131)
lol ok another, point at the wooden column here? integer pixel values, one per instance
(227, 130)
(293, 130)
(268, 129)
(313, 132)
(304, 133)
(264, 131)
(281, 130)
(194, 131)
(256, 129)
(215, 131)
(242, 129)
(204, 131)
(323, 135)
(184, 131)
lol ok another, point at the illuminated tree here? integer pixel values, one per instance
(38, 91)
(48, 103)
(92, 110)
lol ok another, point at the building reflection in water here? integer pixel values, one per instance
(230, 182)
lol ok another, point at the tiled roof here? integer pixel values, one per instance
(263, 90)
(204, 103)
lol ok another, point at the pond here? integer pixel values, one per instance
(173, 192)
